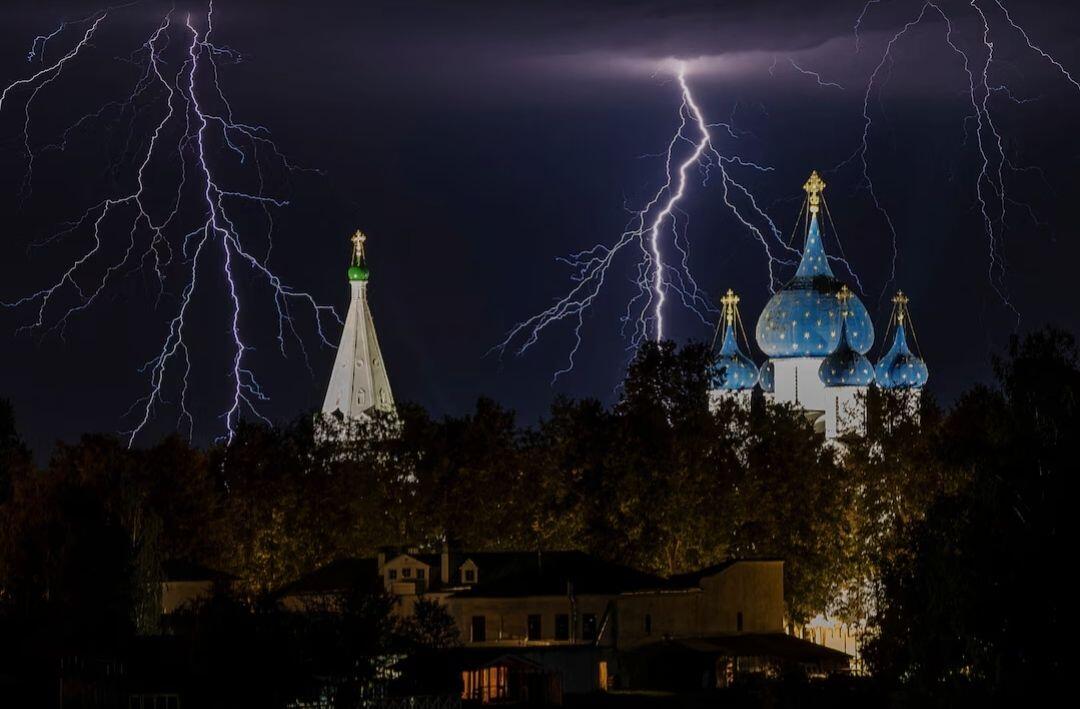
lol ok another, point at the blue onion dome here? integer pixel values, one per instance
(803, 318)
(900, 368)
(846, 366)
(732, 370)
(767, 377)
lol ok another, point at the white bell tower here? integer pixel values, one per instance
(358, 382)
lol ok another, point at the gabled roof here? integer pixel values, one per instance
(552, 573)
(507, 574)
(431, 560)
(693, 578)
(182, 570)
(340, 575)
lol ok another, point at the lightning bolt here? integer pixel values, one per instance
(195, 130)
(990, 186)
(814, 75)
(651, 230)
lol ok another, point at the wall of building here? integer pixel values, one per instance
(177, 594)
(506, 619)
(754, 589)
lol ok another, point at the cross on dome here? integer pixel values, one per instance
(358, 240)
(814, 187)
(729, 302)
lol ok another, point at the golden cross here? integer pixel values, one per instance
(900, 301)
(844, 295)
(814, 187)
(729, 301)
(358, 240)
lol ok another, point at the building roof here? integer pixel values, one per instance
(358, 381)
(336, 576)
(845, 366)
(732, 369)
(767, 377)
(900, 368)
(693, 578)
(803, 318)
(509, 574)
(553, 573)
(182, 570)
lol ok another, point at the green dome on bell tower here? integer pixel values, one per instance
(358, 270)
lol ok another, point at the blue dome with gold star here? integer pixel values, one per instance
(803, 318)
(900, 368)
(767, 377)
(846, 366)
(732, 370)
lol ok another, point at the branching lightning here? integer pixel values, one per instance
(195, 130)
(990, 189)
(652, 230)
(814, 75)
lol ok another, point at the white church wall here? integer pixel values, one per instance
(718, 396)
(845, 411)
(797, 382)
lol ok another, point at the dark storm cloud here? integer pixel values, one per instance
(464, 46)
(477, 142)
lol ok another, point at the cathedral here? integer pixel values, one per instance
(816, 334)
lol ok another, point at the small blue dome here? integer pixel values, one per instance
(767, 377)
(733, 370)
(803, 318)
(899, 368)
(846, 367)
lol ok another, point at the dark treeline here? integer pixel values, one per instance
(943, 530)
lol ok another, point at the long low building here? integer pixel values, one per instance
(568, 621)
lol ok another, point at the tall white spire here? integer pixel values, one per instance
(358, 382)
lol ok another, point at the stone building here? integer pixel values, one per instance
(579, 619)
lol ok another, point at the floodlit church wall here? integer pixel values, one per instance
(718, 396)
(797, 382)
(845, 412)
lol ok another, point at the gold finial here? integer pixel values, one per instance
(814, 187)
(844, 295)
(358, 240)
(729, 301)
(900, 301)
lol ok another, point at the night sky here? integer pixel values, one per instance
(477, 142)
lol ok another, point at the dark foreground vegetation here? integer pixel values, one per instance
(946, 530)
